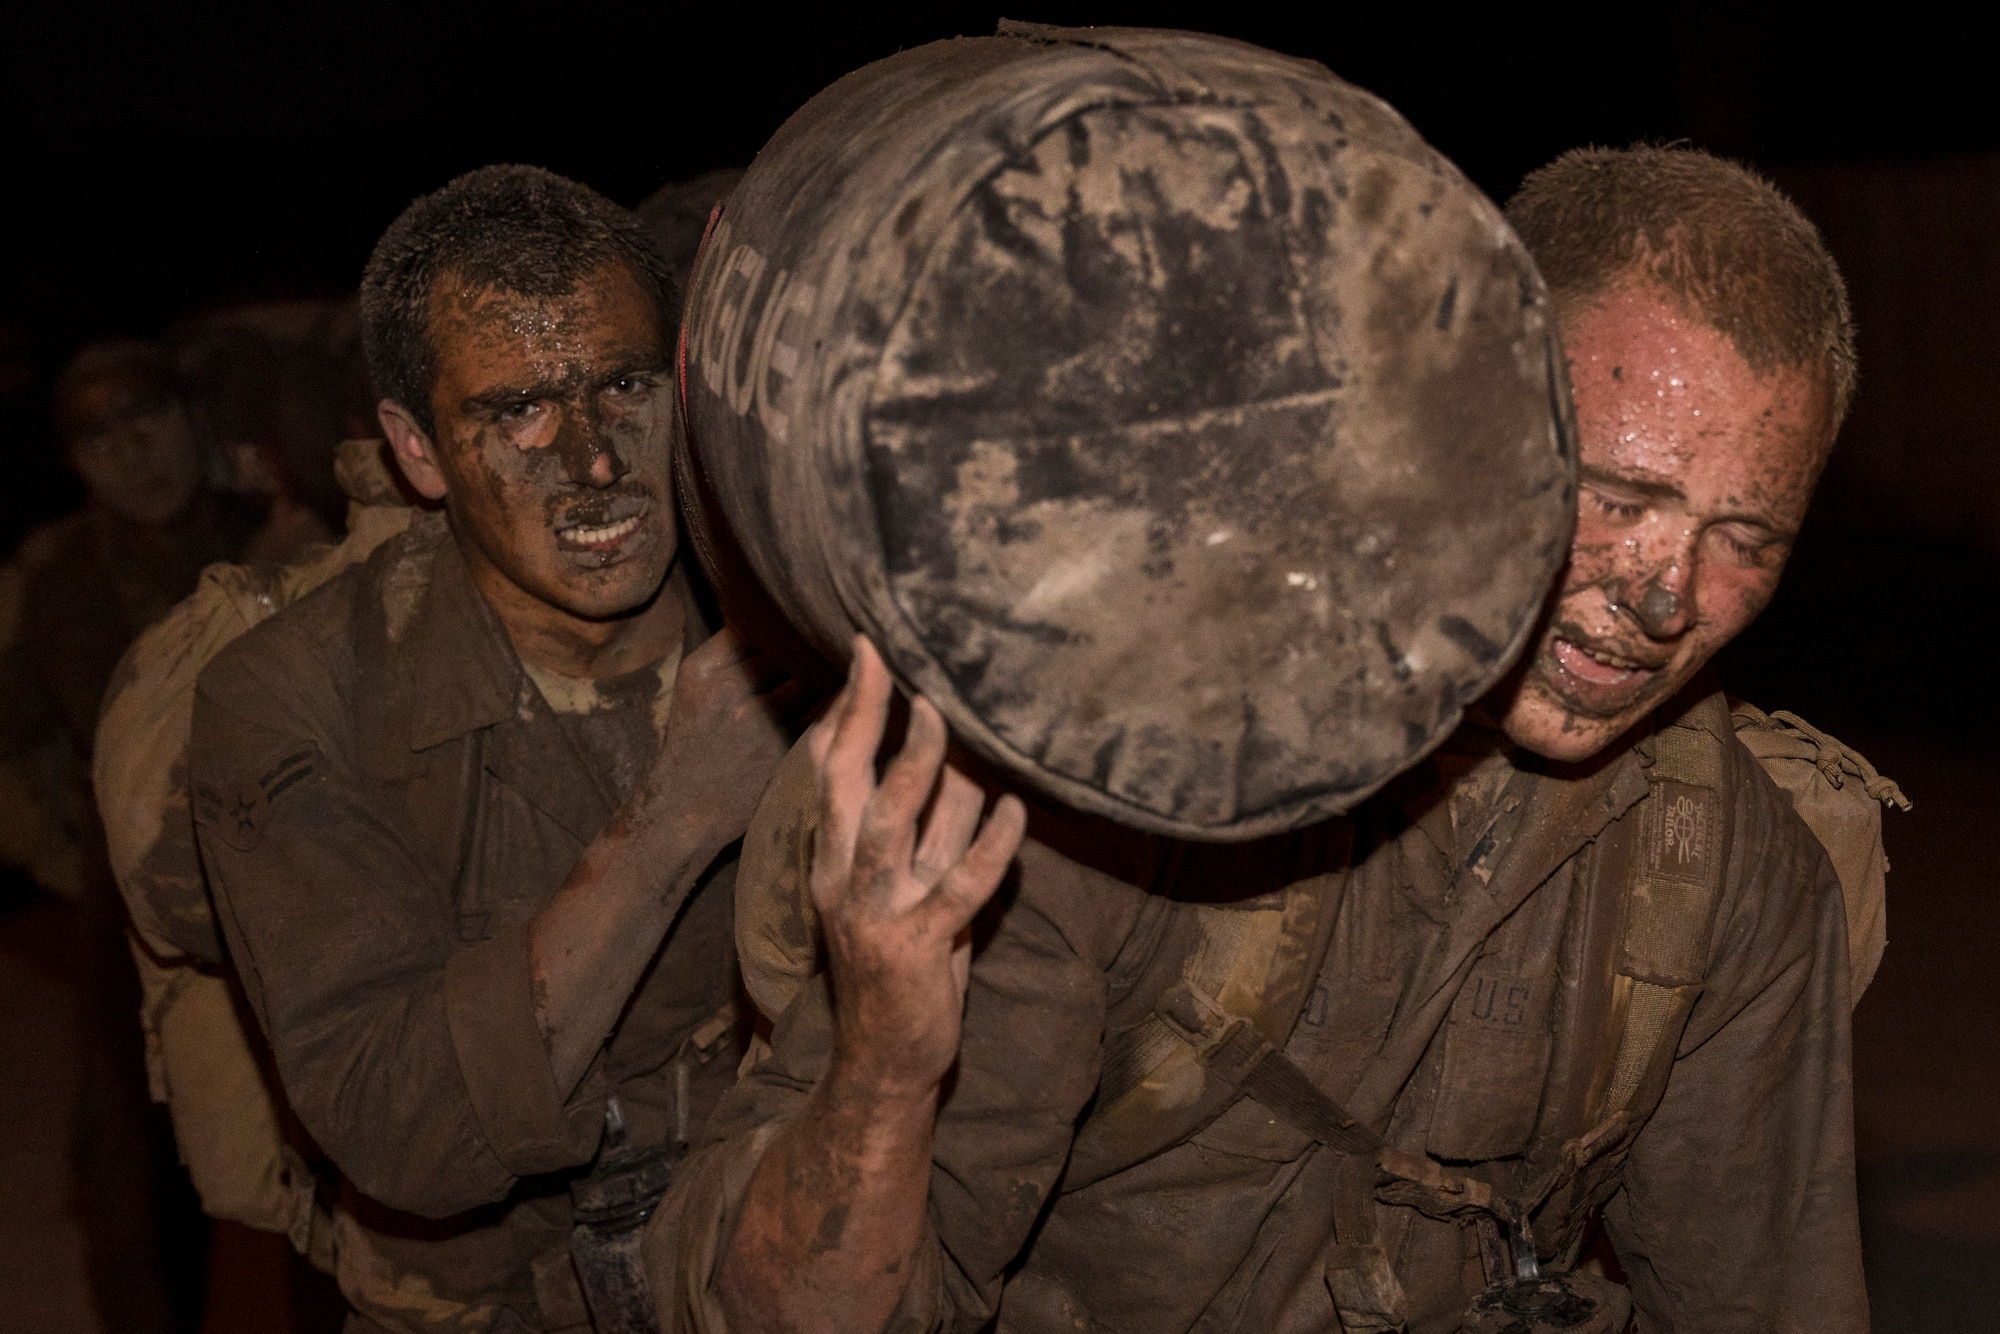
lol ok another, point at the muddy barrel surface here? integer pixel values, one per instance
(1189, 431)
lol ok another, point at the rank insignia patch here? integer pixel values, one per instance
(236, 812)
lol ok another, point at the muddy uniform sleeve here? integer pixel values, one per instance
(1028, 1065)
(1738, 1208)
(347, 945)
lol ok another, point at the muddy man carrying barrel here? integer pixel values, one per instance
(1172, 416)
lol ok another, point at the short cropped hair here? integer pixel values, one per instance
(145, 367)
(514, 229)
(1720, 239)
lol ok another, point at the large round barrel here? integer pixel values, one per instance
(1171, 415)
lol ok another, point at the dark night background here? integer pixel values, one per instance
(165, 159)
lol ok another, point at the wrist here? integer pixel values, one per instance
(671, 840)
(881, 1097)
(682, 826)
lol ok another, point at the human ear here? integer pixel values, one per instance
(411, 444)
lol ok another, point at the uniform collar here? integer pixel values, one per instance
(431, 660)
(1545, 815)
(436, 665)
(461, 670)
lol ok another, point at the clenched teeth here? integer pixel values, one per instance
(1609, 659)
(610, 532)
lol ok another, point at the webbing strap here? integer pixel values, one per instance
(1131, 1056)
(1241, 1057)
(1646, 1015)
(1687, 755)
(1676, 880)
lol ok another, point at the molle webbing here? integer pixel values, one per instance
(1676, 879)
(1232, 1049)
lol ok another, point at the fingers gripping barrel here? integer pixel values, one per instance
(1172, 416)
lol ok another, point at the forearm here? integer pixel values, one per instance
(834, 1215)
(591, 943)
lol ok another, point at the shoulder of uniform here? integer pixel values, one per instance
(311, 652)
(777, 930)
(313, 637)
(229, 600)
(1781, 737)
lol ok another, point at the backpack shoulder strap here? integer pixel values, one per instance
(1668, 873)
(1675, 881)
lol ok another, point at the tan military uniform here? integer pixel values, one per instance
(1457, 965)
(199, 1059)
(383, 799)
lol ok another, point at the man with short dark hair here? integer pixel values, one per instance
(452, 803)
(1377, 1074)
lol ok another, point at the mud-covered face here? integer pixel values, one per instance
(553, 434)
(1695, 474)
(135, 450)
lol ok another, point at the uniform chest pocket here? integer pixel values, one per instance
(1496, 1060)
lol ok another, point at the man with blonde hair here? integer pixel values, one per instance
(1382, 1074)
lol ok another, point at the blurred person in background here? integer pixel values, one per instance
(79, 590)
(676, 215)
(215, 446)
(277, 386)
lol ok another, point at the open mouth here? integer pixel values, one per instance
(1598, 666)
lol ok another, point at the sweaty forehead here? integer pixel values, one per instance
(1662, 394)
(604, 311)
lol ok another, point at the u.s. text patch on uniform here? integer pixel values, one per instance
(1681, 828)
(1508, 1004)
(236, 812)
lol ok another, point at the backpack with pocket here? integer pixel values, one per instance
(1840, 796)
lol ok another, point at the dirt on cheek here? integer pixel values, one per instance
(1595, 564)
(492, 480)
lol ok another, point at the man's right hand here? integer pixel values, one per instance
(836, 1208)
(896, 902)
